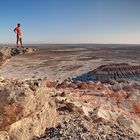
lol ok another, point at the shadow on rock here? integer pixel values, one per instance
(118, 72)
(17, 51)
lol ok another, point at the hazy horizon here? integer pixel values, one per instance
(71, 44)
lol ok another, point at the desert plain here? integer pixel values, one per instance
(58, 62)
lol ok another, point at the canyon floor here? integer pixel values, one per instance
(62, 61)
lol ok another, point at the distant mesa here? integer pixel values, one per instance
(118, 72)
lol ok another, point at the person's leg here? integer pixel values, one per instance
(17, 40)
(21, 42)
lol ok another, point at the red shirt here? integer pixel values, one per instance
(17, 29)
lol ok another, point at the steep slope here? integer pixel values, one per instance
(118, 72)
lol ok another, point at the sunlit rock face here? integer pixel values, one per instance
(118, 72)
(38, 109)
(117, 101)
(89, 110)
(25, 110)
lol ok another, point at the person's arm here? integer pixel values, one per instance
(15, 30)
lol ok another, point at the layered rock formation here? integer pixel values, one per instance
(118, 72)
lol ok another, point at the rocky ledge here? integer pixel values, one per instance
(25, 109)
(7, 52)
(95, 111)
(45, 110)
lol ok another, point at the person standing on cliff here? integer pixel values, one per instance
(19, 35)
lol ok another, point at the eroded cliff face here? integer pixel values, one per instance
(118, 72)
(43, 109)
(90, 110)
(25, 110)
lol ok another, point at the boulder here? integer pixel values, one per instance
(106, 114)
(118, 118)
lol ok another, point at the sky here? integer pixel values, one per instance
(71, 21)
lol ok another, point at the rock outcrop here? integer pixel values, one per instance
(118, 72)
(43, 110)
(7, 52)
(24, 111)
(16, 51)
(95, 111)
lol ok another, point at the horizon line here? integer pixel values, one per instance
(73, 43)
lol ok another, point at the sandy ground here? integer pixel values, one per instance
(63, 61)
